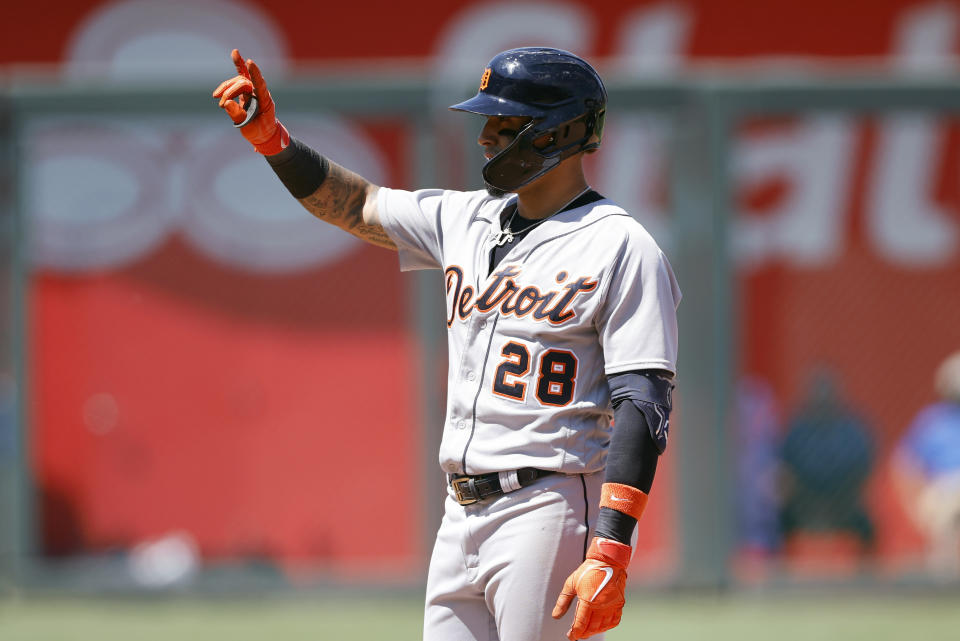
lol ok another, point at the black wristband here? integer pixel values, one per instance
(615, 525)
(301, 169)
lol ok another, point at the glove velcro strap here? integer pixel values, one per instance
(623, 498)
(277, 142)
(611, 552)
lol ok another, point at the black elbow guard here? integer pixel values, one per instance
(650, 392)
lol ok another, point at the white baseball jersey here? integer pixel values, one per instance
(584, 294)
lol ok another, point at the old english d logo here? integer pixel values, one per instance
(485, 80)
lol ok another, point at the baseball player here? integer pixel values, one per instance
(561, 317)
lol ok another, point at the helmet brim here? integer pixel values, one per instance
(486, 104)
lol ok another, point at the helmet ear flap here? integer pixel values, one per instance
(595, 127)
(583, 130)
(595, 124)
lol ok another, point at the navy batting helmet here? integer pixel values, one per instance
(561, 94)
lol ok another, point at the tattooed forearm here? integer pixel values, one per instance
(339, 201)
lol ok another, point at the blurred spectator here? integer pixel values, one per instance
(757, 433)
(926, 471)
(827, 455)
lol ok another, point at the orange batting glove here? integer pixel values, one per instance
(598, 584)
(247, 101)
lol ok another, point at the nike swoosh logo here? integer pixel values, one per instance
(603, 584)
(617, 498)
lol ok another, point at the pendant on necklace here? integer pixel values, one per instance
(501, 238)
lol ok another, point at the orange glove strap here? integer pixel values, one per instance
(609, 551)
(623, 498)
(276, 143)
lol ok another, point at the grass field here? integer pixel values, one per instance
(732, 618)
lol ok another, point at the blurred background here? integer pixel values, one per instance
(197, 379)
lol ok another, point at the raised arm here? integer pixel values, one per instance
(331, 193)
(328, 191)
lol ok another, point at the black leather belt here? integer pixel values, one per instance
(470, 489)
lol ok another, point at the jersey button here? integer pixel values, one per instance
(461, 425)
(483, 324)
(471, 376)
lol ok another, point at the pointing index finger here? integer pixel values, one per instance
(239, 63)
(259, 84)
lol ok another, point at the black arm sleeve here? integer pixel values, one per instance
(301, 169)
(634, 448)
(632, 457)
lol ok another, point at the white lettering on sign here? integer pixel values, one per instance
(145, 188)
(904, 222)
(632, 167)
(652, 40)
(814, 159)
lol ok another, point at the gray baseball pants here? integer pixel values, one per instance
(498, 565)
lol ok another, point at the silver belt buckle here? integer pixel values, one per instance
(465, 490)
